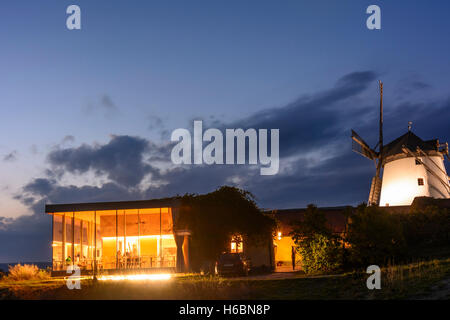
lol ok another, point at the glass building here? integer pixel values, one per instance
(119, 237)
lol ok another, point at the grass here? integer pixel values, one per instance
(27, 272)
(414, 280)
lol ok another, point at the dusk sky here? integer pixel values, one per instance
(87, 114)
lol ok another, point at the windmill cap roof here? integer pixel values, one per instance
(411, 141)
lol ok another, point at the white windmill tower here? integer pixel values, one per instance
(411, 167)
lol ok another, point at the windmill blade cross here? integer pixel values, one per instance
(361, 147)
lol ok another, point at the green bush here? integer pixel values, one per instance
(319, 248)
(373, 235)
(320, 254)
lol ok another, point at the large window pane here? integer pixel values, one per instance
(69, 238)
(77, 241)
(57, 246)
(108, 238)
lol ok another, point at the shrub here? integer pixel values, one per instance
(375, 236)
(27, 272)
(427, 226)
(319, 249)
(320, 254)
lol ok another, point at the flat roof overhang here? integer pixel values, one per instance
(116, 205)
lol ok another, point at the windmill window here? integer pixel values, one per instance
(418, 162)
(420, 181)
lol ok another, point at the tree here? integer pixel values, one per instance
(313, 222)
(375, 236)
(217, 217)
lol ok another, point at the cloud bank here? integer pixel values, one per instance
(316, 161)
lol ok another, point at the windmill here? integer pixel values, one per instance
(361, 147)
(411, 166)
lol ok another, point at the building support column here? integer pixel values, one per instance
(186, 256)
(125, 238)
(81, 239)
(95, 245)
(73, 238)
(139, 240)
(63, 239)
(117, 241)
(182, 259)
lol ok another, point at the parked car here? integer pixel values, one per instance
(232, 264)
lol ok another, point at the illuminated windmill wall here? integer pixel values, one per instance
(413, 168)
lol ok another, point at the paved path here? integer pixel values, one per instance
(441, 291)
(271, 276)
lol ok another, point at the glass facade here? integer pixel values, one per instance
(114, 239)
(73, 240)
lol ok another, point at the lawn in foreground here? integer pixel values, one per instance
(414, 280)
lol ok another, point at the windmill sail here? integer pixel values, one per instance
(361, 147)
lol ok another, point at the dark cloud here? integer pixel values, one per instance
(411, 86)
(68, 139)
(26, 247)
(109, 107)
(105, 106)
(4, 222)
(39, 186)
(121, 160)
(316, 165)
(28, 237)
(314, 120)
(51, 192)
(155, 123)
(341, 180)
(108, 104)
(10, 157)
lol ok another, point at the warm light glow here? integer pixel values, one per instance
(59, 243)
(164, 236)
(399, 192)
(404, 180)
(236, 248)
(279, 235)
(155, 276)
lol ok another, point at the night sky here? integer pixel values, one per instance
(87, 114)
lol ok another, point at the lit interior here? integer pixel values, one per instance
(236, 247)
(283, 249)
(114, 239)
